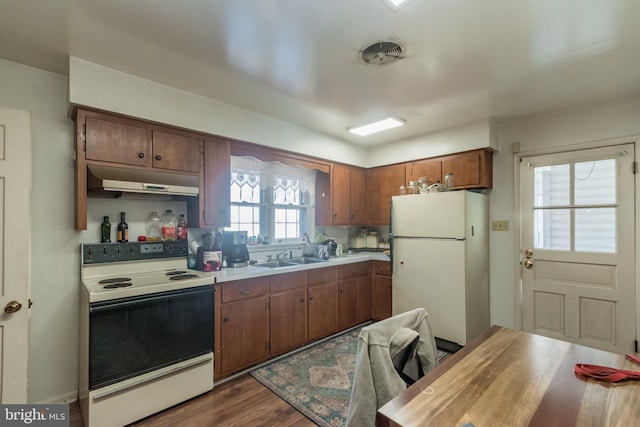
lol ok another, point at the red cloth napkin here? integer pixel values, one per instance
(604, 373)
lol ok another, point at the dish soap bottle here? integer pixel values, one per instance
(182, 228)
(123, 229)
(105, 229)
(169, 225)
(154, 227)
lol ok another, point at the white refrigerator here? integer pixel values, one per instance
(440, 260)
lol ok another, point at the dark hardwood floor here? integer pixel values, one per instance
(242, 401)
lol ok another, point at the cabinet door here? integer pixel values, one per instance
(340, 194)
(347, 304)
(431, 168)
(384, 182)
(245, 333)
(176, 152)
(358, 196)
(382, 305)
(117, 141)
(215, 195)
(323, 310)
(472, 169)
(364, 292)
(288, 321)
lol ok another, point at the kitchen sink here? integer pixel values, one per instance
(305, 260)
(276, 264)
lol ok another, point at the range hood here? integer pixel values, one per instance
(117, 181)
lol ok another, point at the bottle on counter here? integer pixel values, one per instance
(105, 229)
(183, 229)
(123, 229)
(154, 227)
(169, 226)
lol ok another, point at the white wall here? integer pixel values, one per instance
(480, 134)
(54, 243)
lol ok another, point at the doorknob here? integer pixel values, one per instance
(528, 252)
(12, 307)
(528, 263)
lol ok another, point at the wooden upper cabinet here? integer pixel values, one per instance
(358, 199)
(176, 152)
(384, 183)
(348, 197)
(431, 168)
(341, 194)
(212, 207)
(471, 169)
(118, 141)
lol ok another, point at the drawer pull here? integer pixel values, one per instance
(245, 292)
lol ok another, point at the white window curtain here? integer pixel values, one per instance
(252, 175)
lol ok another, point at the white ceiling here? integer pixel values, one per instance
(296, 60)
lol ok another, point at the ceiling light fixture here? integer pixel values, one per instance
(396, 5)
(378, 126)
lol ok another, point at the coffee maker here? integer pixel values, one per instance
(234, 248)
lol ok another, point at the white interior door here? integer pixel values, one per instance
(578, 232)
(15, 188)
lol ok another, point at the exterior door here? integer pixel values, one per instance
(15, 278)
(578, 270)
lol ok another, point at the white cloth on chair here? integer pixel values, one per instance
(375, 379)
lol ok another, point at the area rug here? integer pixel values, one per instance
(317, 380)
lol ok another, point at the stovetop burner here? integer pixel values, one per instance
(118, 285)
(114, 280)
(176, 272)
(183, 277)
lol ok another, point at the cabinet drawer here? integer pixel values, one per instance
(322, 275)
(283, 282)
(382, 268)
(242, 289)
(354, 270)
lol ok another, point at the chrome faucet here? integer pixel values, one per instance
(288, 251)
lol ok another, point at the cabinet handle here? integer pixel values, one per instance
(158, 157)
(141, 155)
(246, 292)
(225, 319)
(310, 298)
(301, 299)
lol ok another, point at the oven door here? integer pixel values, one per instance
(133, 336)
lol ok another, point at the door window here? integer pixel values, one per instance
(575, 206)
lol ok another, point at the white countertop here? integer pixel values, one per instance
(228, 274)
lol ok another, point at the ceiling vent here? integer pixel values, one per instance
(382, 52)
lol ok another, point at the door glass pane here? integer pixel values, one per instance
(595, 230)
(552, 185)
(552, 229)
(595, 182)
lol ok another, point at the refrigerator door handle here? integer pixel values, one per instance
(391, 235)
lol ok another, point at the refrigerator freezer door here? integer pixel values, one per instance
(430, 215)
(430, 273)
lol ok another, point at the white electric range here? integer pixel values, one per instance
(146, 330)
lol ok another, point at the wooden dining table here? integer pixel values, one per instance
(507, 377)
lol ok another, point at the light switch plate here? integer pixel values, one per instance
(499, 225)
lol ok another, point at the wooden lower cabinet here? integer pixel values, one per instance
(354, 298)
(288, 306)
(267, 316)
(382, 304)
(323, 302)
(244, 333)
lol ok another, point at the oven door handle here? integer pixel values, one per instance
(98, 307)
(133, 382)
